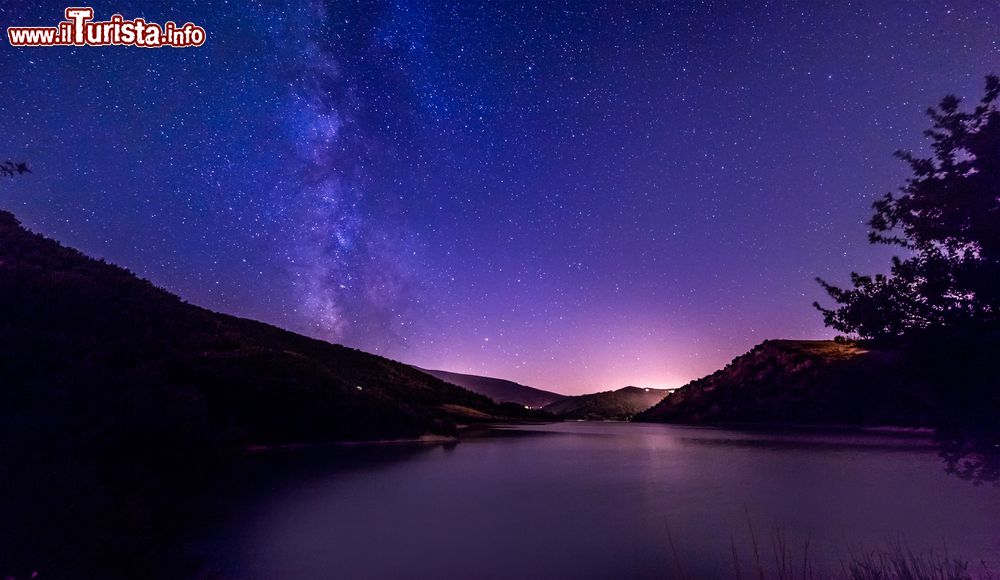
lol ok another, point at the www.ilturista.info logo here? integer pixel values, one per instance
(79, 30)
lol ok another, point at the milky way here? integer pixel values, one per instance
(348, 268)
(574, 195)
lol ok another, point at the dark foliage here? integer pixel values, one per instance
(11, 168)
(946, 217)
(802, 382)
(943, 381)
(118, 401)
(940, 306)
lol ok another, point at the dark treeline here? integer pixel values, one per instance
(120, 404)
(940, 303)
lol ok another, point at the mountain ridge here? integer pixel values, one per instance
(617, 405)
(98, 320)
(500, 390)
(121, 403)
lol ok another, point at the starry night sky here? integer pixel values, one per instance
(574, 195)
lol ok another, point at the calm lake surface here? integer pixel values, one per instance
(597, 500)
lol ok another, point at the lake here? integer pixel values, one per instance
(598, 500)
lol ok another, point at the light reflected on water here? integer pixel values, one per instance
(596, 500)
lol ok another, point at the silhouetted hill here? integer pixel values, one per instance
(609, 405)
(800, 382)
(499, 390)
(116, 395)
(88, 320)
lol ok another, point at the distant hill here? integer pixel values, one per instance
(499, 390)
(802, 382)
(609, 405)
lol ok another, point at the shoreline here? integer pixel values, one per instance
(843, 427)
(480, 430)
(427, 439)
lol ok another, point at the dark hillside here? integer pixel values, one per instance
(499, 390)
(69, 322)
(117, 398)
(800, 382)
(619, 405)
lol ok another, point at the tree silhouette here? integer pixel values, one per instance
(947, 218)
(10, 168)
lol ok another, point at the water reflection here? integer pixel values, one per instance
(972, 454)
(590, 500)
